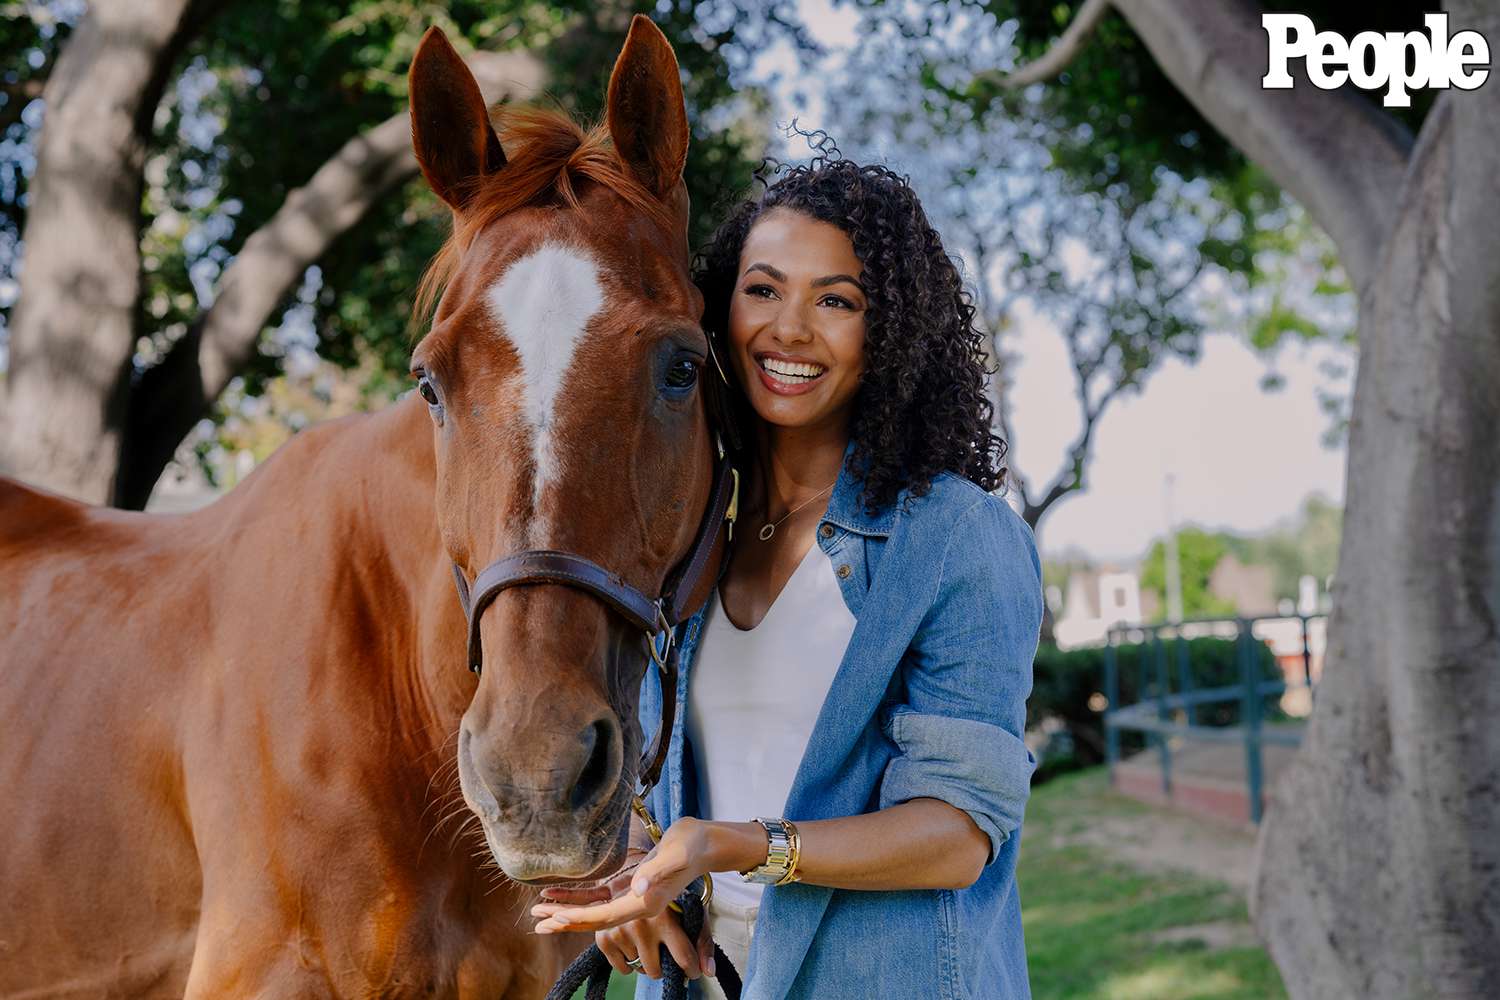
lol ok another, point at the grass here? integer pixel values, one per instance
(1091, 920)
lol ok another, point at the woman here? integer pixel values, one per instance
(855, 690)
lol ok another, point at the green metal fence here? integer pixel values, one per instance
(1165, 710)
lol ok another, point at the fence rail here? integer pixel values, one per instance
(1161, 713)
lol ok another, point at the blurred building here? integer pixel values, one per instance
(1250, 588)
(1097, 599)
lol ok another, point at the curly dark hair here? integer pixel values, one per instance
(920, 408)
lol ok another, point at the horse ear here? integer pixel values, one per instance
(450, 126)
(647, 113)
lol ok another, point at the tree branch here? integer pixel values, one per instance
(1063, 51)
(1336, 152)
(174, 395)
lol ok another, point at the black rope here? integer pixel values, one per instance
(592, 967)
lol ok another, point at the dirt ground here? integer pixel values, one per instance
(1161, 839)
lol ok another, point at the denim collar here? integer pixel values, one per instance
(846, 509)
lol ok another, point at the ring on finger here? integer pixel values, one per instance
(634, 963)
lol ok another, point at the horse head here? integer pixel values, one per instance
(564, 372)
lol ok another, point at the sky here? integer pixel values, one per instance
(1243, 458)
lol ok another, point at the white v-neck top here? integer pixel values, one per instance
(753, 696)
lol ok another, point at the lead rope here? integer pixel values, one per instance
(592, 967)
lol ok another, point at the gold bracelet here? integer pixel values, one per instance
(792, 875)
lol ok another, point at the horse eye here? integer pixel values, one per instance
(682, 374)
(424, 386)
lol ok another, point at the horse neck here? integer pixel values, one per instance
(374, 478)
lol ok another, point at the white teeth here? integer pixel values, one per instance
(791, 372)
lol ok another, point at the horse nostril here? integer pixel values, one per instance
(597, 776)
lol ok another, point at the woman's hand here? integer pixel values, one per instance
(673, 863)
(628, 925)
(634, 922)
(644, 938)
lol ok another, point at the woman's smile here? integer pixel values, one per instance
(789, 376)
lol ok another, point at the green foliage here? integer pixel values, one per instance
(1198, 552)
(1307, 546)
(1070, 685)
(1113, 116)
(1117, 117)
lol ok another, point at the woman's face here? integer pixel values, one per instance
(797, 321)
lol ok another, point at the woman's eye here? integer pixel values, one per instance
(760, 291)
(682, 374)
(424, 386)
(840, 303)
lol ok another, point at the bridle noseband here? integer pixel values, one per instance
(656, 618)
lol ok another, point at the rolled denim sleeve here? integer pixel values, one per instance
(967, 677)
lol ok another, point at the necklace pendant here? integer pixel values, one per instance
(767, 531)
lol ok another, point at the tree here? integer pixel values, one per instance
(1378, 863)
(256, 151)
(1198, 552)
(71, 331)
(1125, 246)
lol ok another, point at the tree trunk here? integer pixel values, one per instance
(72, 332)
(1378, 861)
(1378, 865)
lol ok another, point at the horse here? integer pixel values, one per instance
(241, 753)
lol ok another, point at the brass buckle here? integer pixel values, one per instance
(660, 659)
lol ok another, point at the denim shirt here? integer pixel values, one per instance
(929, 700)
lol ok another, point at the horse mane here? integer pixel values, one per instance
(549, 155)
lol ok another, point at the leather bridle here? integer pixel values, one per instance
(656, 618)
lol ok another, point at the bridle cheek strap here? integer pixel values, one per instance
(686, 587)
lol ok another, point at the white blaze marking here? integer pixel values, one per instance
(544, 302)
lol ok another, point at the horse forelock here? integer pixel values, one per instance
(550, 156)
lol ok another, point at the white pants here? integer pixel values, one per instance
(732, 926)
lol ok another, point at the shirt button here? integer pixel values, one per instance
(844, 571)
(826, 531)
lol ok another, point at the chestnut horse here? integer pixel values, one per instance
(238, 743)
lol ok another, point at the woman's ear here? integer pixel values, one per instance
(647, 112)
(451, 133)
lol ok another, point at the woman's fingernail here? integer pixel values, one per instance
(709, 967)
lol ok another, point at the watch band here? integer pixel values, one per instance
(783, 851)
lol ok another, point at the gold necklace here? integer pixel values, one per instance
(769, 529)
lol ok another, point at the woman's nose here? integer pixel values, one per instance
(791, 326)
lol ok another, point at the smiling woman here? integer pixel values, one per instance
(849, 767)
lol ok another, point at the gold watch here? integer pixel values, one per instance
(783, 851)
